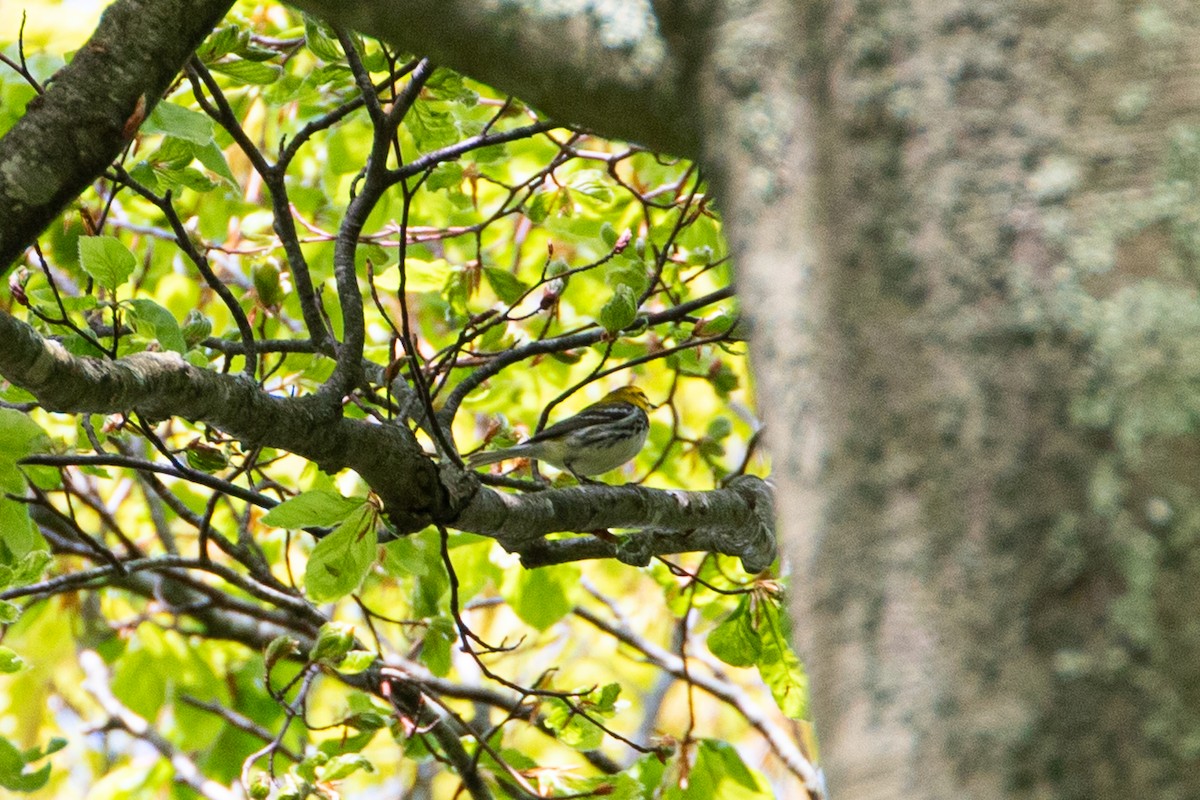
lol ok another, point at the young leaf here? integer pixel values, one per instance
(778, 665)
(12, 770)
(574, 730)
(106, 260)
(541, 597)
(620, 311)
(341, 560)
(318, 508)
(320, 42)
(334, 641)
(213, 158)
(445, 176)
(180, 122)
(735, 641)
(345, 765)
(10, 661)
(249, 72)
(435, 648)
(504, 284)
(719, 772)
(155, 322)
(355, 662)
(608, 234)
(593, 184)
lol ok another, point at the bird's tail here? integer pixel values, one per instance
(485, 457)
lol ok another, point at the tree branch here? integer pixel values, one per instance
(636, 87)
(89, 112)
(98, 682)
(738, 520)
(162, 385)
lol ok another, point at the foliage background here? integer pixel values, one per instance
(567, 200)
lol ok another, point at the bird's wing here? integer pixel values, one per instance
(598, 414)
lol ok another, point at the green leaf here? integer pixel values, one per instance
(281, 646)
(341, 560)
(266, 283)
(540, 204)
(321, 42)
(196, 328)
(212, 157)
(248, 72)
(345, 765)
(430, 128)
(620, 311)
(187, 177)
(720, 773)
(106, 260)
(435, 647)
(32, 566)
(9, 612)
(143, 172)
(543, 596)
(334, 641)
(417, 555)
(629, 272)
(608, 234)
(155, 322)
(12, 770)
(504, 284)
(220, 42)
(778, 665)
(593, 184)
(19, 435)
(174, 153)
(355, 662)
(576, 730)
(735, 641)
(445, 176)
(318, 508)
(10, 661)
(182, 123)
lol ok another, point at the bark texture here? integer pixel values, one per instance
(1006, 557)
(90, 110)
(550, 55)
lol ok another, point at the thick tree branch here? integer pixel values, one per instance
(735, 521)
(89, 112)
(636, 88)
(160, 385)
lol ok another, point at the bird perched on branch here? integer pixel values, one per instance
(599, 438)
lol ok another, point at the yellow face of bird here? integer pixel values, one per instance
(629, 394)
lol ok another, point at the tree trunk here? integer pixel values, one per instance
(998, 599)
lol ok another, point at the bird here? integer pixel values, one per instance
(599, 438)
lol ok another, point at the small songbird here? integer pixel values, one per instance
(599, 438)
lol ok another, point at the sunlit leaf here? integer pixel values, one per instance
(541, 597)
(182, 123)
(778, 665)
(249, 72)
(316, 508)
(155, 322)
(505, 284)
(620, 311)
(735, 641)
(106, 259)
(340, 560)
